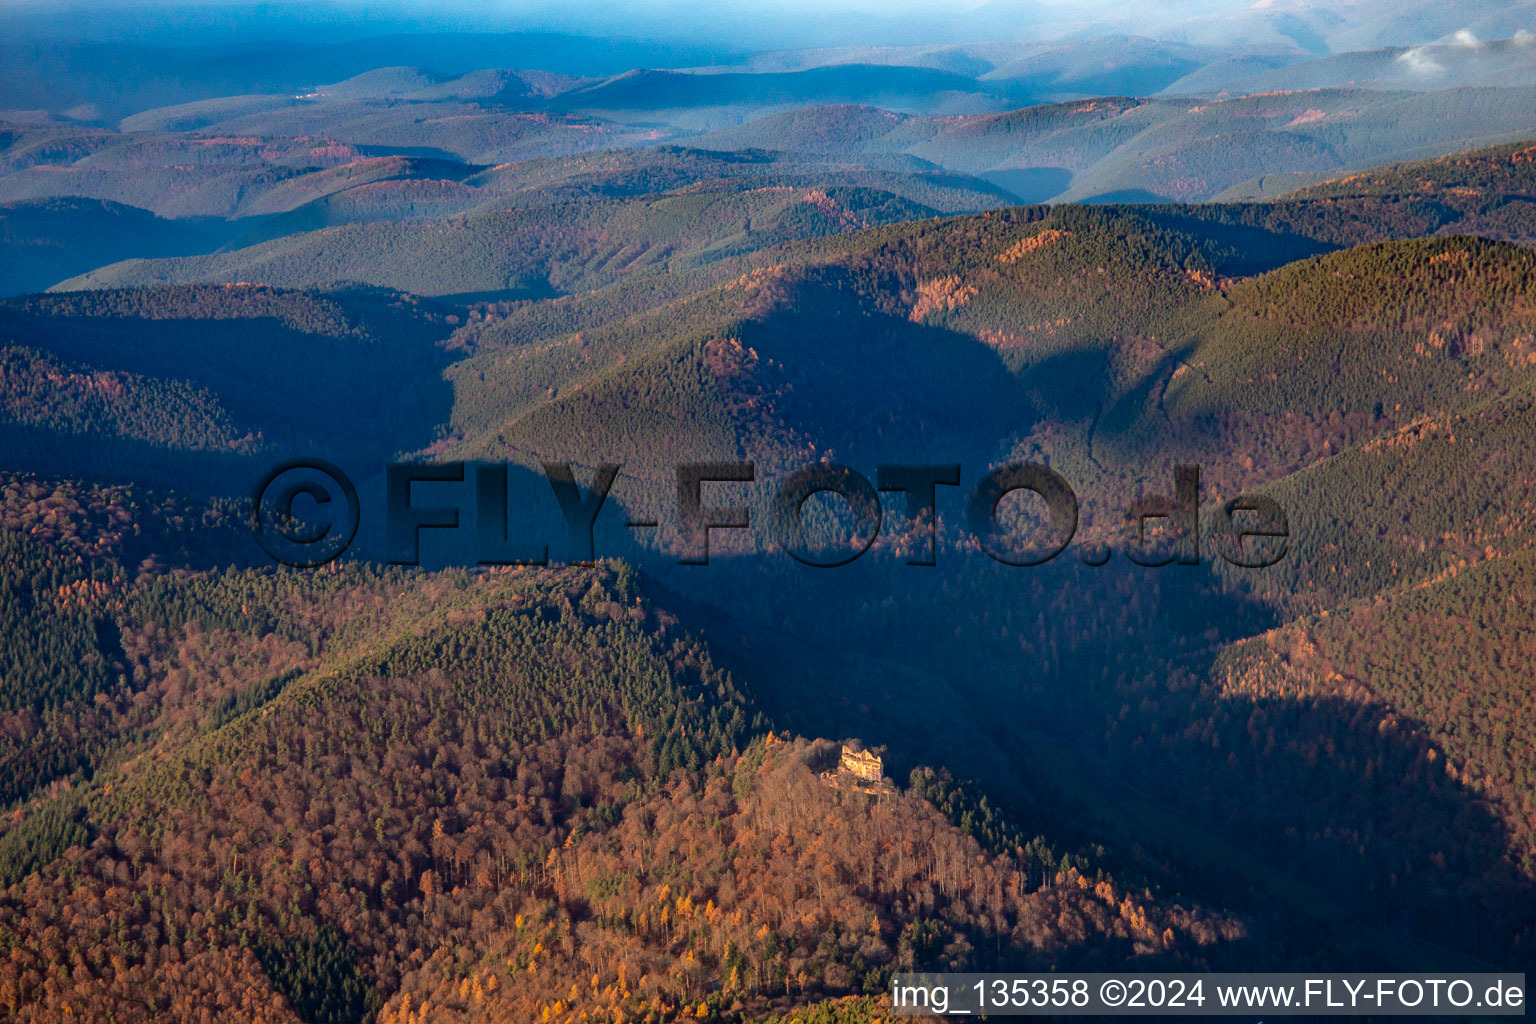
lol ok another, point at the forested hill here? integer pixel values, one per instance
(1485, 173)
(535, 253)
(358, 795)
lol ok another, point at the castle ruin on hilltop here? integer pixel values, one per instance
(861, 764)
(860, 770)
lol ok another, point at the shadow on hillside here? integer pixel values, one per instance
(118, 461)
(871, 385)
(1083, 700)
(1249, 248)
(522, 291)
(1032, 184)
(291, 388)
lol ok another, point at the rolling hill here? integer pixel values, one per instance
(1434, 66)
(534, 252)
(1129, 150)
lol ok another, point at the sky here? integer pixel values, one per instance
(753, 22)
(1314, 26)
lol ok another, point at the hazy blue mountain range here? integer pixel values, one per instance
(941, 128)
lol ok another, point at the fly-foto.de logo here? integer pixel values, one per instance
(306, 513)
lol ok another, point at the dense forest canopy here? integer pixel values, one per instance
(610, 788)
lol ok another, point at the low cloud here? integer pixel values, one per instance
(1419, 62)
